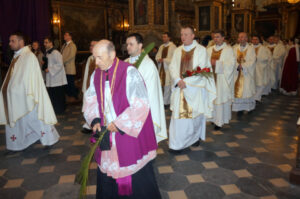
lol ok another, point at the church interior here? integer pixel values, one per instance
(255, 156)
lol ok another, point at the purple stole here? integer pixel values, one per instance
(129, 149)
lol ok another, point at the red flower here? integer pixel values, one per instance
(189, 73)
(198, 69)
(206, 70)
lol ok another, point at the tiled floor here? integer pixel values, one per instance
(248, 159)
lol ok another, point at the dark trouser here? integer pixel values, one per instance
(144, 185)
(57, 97)
(71, 90)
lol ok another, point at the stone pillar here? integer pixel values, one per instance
(150, 18)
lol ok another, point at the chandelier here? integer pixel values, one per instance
(293, 1)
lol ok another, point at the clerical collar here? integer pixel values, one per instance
(166, 44)
(18, 52)
(219, 47)
(50, 50)
(134, 59)
(257, 45)
(272, 45)
(189, 47)
(243, 47)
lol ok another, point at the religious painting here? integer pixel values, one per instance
(88, 20)
(239, 22)
(140, 12)
(159, 12)
(217, 11)
(204, 18)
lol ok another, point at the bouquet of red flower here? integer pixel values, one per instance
(205, 72)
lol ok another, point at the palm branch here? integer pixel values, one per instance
(83, 174)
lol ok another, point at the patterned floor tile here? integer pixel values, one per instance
(66, 179)
(217, 133)
(14, 183)
(285, 167)
(209, 139)
(46, 169)
(252, 160)
(2, 171)
(73, 158)
(260, 150)
(198, 148)
(29, 161)
(56, 151)
(247, 130)
(160, 151)
(180, 158)
(222, 153)
(78, 142)
(195, 178)
(232, 144)
(91, 190)
(254, 123)
(68, 127)
(228, 158)
(267, 141)
(34, 194)
(165, 169)
(210, 165)
(241, 136)
(243, 173)
(177, 194)
(260, 119)
(290, 156)
(279, 182)
(230, 189)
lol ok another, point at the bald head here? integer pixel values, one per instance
(104, 53)
(243, 38)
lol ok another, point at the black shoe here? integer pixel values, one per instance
(86, 131)
(175, 151)
(240, 113)
(167, 106)
(217, 127)
(48, 147)
(196, 144)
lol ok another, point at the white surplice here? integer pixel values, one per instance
(84, 82)
(130, 121)
(247, 101)
(56, 75)
(262, 71)
(166, 61)
(150, 75)
(278, 56)
(224, 69)
(200, 92)
(31, 118)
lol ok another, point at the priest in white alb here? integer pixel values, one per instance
(25, 107)
(88, 71)
(278, 51)
(150, 75)
(192, 97)
(163, 58)
(262, 68)
(223, 63)
(244, 75)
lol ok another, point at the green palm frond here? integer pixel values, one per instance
(146, 50)
(83, 174)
